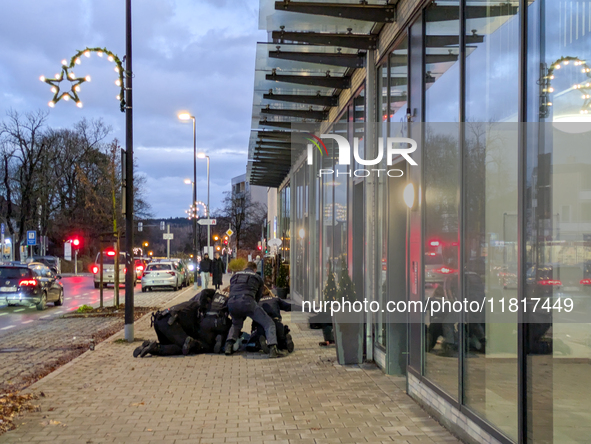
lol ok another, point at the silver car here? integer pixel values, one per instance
(161, 274)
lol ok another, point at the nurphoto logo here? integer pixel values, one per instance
(395, 146)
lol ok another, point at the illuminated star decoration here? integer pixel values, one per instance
(584, 87)
(68, 74)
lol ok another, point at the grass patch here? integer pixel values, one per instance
(84, 309)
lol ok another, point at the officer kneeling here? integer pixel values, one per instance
(199, 325)
(246, 289)
(273, 307)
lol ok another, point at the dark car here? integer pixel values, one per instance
(33, 283)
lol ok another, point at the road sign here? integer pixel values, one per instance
(168, 236)
(140, 226)
(207, 222)
(162, 225)
(31, 237)
(2, 228)
(229, 232)
(68, 251)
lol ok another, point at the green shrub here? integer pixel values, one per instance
(84, 308)
(237, 264)
(283, 276)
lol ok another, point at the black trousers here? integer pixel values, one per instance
(210, 327)
(171, 337)
(240, 308)
(258, 331)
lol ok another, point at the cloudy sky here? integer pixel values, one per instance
(194, 55)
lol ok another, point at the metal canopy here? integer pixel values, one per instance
(335, 59)
(443, 13)
(317, 99)
(299, 77)
(323, 81)
(348, 40)
(310, 114)
(369, 13)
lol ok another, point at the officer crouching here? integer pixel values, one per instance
(246, 289)
(273, 307)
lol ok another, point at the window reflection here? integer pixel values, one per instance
(441, 183)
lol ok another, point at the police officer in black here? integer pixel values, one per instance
(273, 307)
(177, 329)
(246, 289)
(215, 324)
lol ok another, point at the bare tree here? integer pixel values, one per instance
(243, 214)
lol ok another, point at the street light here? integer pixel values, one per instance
(204, 156)
(184, 116)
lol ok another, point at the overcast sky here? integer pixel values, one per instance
(187, 55)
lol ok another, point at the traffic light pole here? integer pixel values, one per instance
(76, 262)
(130, 272)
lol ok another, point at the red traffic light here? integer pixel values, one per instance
(76, 242)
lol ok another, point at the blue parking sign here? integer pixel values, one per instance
(31, 237)
(2, 228)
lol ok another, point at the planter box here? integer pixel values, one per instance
(349, 329)
(282, 292)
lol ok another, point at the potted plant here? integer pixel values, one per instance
(282, 282)
(237, 264)
(348, 325)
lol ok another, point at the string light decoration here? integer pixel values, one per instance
(546, 84)
(75, 82)
(193, 211)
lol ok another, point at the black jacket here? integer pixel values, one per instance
(247, 282)
(205, 265)
(217, 269)
(273, 306)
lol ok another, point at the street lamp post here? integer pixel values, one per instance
(184, 117)
(203, 156)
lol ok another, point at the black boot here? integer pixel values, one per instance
(188, 345)
(264, 346)
(276, 353)
(290, 344)
(153, 348)
(139, 349)
(229, 347)
(217, 348)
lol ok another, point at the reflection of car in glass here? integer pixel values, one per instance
(109, 269)
(52, 262)
(435, 269)
(30, 284)
(507, 275)
(161, 274)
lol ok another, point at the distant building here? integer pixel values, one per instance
(241, 188)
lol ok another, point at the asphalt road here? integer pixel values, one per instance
(78, 290)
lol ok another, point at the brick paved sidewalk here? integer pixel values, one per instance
(108, 396)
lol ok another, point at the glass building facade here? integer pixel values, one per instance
(499, 95)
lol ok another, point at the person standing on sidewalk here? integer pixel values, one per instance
(246, 289)
(205, 268)
(217, 271)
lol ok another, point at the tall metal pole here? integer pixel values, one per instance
(129, 275)
(208, 212)
(194, 215)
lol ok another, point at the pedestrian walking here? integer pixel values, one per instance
(205, 268)
(246, 289)
(217, 271)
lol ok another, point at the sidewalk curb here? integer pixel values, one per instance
(100, 345)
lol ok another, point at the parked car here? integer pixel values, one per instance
(184, 268)
(140, 266)
(52, 262)
(33, 283)
(109, 269)
(161, 274)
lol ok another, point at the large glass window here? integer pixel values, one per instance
(558, 221)
(441, 189)
(490, 207)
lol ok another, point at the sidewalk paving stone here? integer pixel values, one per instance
(106, 396)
